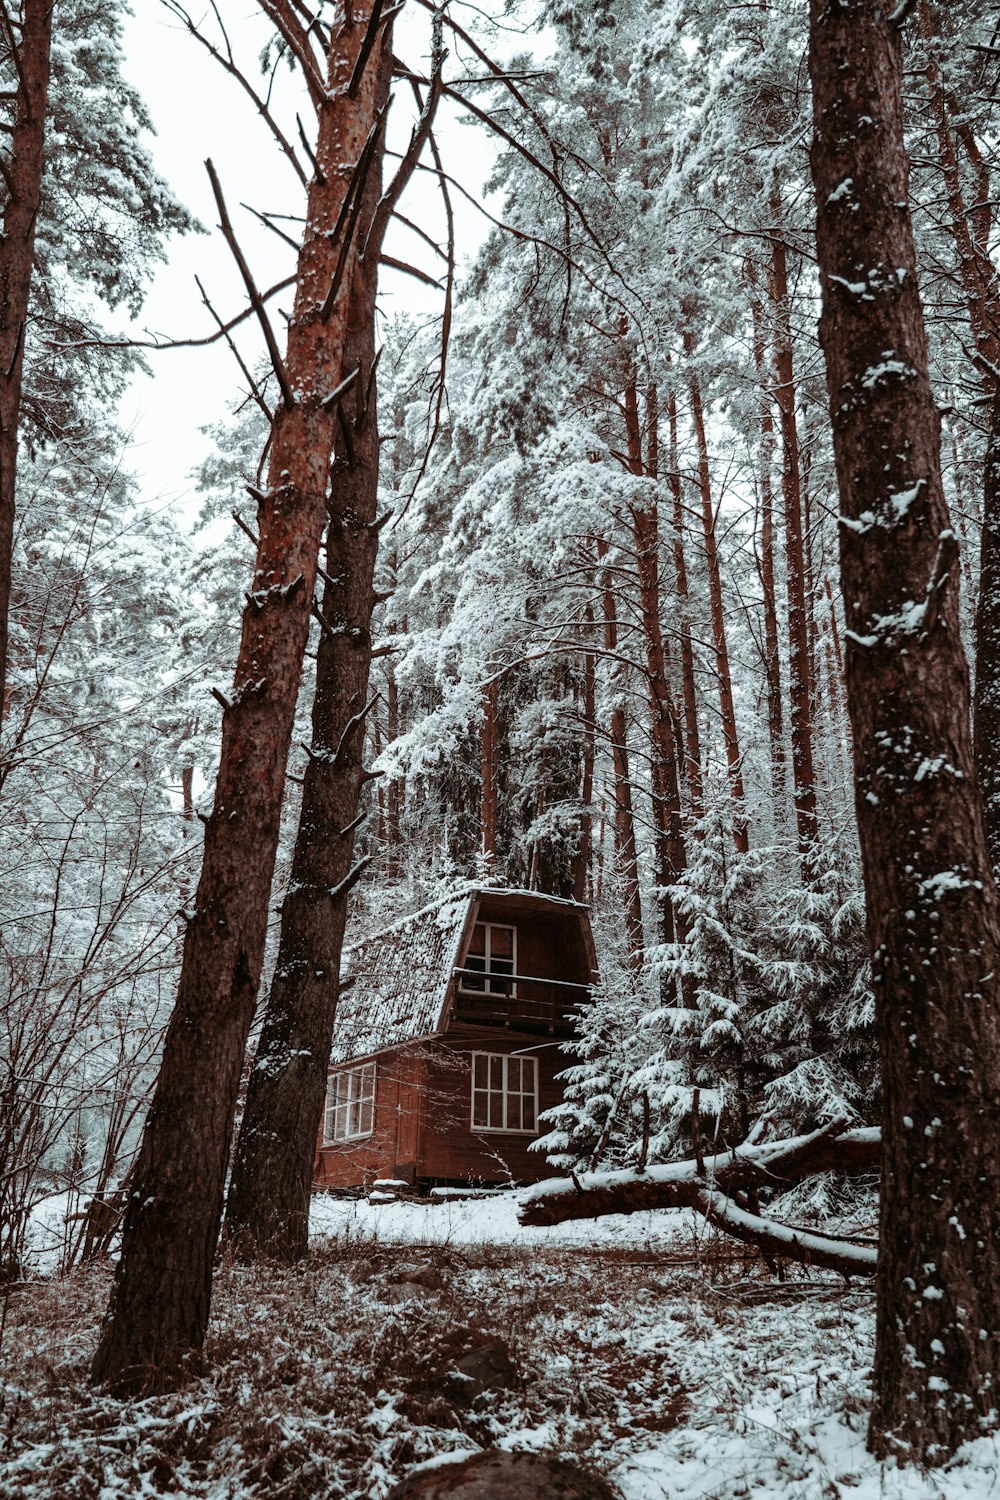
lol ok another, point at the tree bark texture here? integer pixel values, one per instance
(665, 730)
(160, 1300)
(772, 656)
(734, 759)
(692, 732)
(23, 172)
(986, 716)
(489, 796)
(934, 923)
(585, 844)
(799, 657)
(626, 846)
(267, 1210)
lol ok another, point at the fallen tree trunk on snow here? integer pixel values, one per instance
(724, 1188)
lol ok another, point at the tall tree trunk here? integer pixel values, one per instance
(986, 718)
(772, 657)
(267, 1210)
(490, 779)
(692, 733)
(585, 846)
(626, 846)
(799, 656)
(665, 735)
(23, 174)
(934, 916)
(734, 760)
(981, 285)
(160, 1301)
(396, 790)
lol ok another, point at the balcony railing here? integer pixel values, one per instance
(521, 1001)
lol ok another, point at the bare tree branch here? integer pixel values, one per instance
(252, 292)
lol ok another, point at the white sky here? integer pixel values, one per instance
(200, 112)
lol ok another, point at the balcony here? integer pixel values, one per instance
(520, 1001)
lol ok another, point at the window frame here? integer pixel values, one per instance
(505, 1059)
(510, 980)
(357, 1098)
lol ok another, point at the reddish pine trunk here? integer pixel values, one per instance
(933, 911)
(160, 1302)
(490, 774)
(692, 733)
(396, 790)
(772, 658)
(187, 793)
(626, 847)
(734, 761)
(970, 230)
(25, 157)
(666, 746)
(267, 1210)
(584, 853)
(986, 719)
(799, 655)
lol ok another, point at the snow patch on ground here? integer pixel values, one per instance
(486, 1221)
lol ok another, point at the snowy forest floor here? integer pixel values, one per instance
(648, 1348)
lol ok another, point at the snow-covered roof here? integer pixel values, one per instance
(397, 981)
(395, 984)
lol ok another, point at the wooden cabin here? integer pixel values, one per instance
(447, 1041)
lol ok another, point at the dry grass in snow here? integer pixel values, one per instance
(669, 1362)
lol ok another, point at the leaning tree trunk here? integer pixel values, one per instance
(267, 1209)
(934, 920)
(160, 1301)
(23, 174)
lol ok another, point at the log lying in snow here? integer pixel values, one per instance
(717, 1187)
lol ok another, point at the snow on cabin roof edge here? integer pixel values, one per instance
(399, 977)
(464, 893)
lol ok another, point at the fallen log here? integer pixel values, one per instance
(715, 1187)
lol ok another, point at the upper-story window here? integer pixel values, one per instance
(491, 961)
(350, 1104)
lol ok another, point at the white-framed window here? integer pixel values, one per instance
(350, 1104)
(505, 1093)
(492, 955)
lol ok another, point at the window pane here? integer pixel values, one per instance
(502, 942)
(480, 1108)
(480, 1070)
(477, 943)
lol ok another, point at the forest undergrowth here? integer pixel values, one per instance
(683, 1371)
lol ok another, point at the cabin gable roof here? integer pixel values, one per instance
(396, 985)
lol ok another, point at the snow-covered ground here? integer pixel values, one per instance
(646, 1347)
(486, 1221)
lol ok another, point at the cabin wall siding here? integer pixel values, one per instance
(393, 1145)
(452, 1150)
